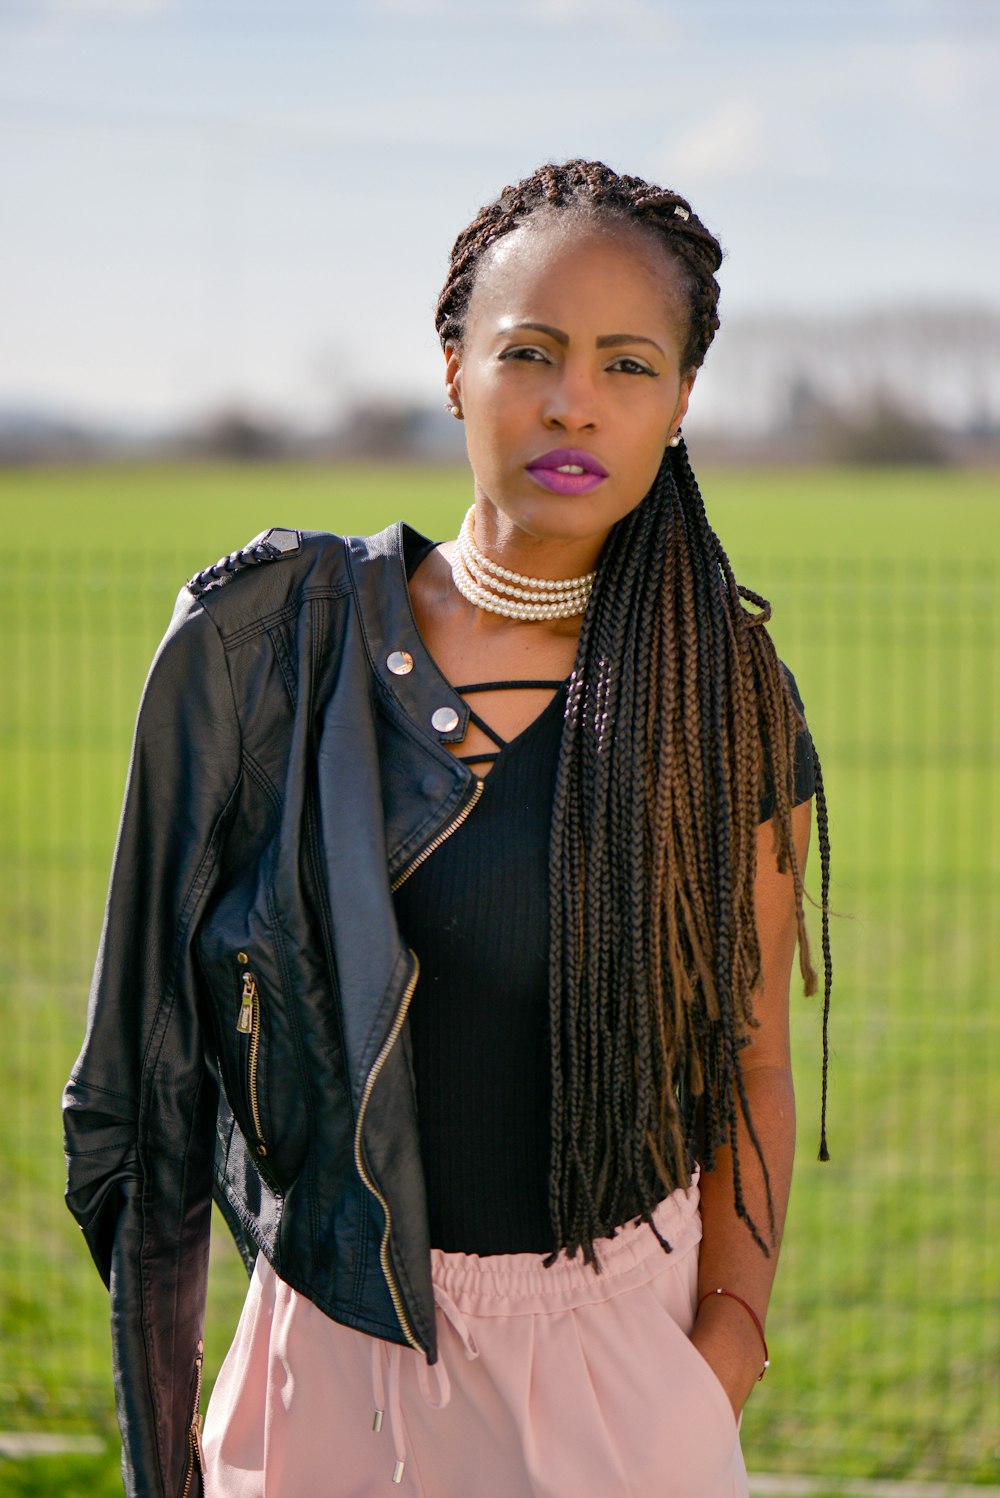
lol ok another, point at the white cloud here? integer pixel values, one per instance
(946, 83)
(872, 111)
(749, 136)
(733, 139)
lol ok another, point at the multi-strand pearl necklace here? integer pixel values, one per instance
(491, 587)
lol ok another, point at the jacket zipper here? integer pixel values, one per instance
(380, 1060)
(397, 1299)
(436, 842)
(195, 1458)
(248, 1023)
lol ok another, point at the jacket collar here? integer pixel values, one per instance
(378, 567)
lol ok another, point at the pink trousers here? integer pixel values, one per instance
(550, 1383)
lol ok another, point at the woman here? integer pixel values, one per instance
(473, 873)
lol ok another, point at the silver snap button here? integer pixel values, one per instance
(400, 662)
(444, 719)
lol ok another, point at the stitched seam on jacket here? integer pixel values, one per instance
(262, 780)
(361, 1239)
(100, 1149)
(283, 659)
(283, 615)
(77, 1078)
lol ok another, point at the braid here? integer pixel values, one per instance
(677, 712)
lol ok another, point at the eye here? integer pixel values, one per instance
(627, 365)
(527, 352)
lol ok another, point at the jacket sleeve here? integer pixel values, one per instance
(139, 1107)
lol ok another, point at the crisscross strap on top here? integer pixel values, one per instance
(496, 686)
(491, 733)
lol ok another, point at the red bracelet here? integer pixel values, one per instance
(753, 1315)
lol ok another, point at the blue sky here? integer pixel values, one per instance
(206, 202)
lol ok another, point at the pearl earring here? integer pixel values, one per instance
(456, 411)
(675, 440)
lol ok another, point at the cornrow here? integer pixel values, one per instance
(677, 712)
(590, 187)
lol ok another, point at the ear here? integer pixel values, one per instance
(683, 397)
(453, 372)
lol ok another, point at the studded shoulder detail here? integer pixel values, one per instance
(269, 546)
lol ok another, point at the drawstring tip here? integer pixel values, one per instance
(824, 1153)
(377, 1422)
(397, 1472)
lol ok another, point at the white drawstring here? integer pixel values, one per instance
(392, 1352)
(378, 1386)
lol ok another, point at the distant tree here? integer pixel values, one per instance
(882, 435)
(238, 436)
(782, 374)
(381, 429)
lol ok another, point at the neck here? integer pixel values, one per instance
(532, 552)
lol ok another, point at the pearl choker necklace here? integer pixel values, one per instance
(491, 587)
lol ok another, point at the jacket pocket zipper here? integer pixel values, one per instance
(248, 1023)
(195, 1458)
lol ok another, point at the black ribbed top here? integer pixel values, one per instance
(476, 913)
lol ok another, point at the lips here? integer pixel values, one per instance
(572, 458)
(568, 471)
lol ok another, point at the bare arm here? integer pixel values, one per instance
(723, 1332)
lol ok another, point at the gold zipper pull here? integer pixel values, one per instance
(244, 1023)
(196, 1458)
(196, 1448)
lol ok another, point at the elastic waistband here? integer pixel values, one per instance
(519, 1284)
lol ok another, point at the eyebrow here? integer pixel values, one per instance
(606, 340)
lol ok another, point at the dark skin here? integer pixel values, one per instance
(523, 392)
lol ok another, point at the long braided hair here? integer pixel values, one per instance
(678, 712)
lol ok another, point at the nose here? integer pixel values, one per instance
(571, 402)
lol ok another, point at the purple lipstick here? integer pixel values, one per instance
(568, 470)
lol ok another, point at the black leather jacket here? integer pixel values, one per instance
(285, 776)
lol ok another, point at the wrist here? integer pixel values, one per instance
(728, 1340)
(721, 1294)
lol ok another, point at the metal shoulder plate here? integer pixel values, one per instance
(267, 547)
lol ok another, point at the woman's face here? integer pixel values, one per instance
(573, 342)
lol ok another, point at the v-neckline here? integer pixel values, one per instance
(508, 745)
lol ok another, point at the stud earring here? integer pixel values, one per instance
(675, 440)
(456, 411)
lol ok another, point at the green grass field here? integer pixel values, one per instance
(885, 1324)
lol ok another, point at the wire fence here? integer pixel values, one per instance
(885, 1323)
